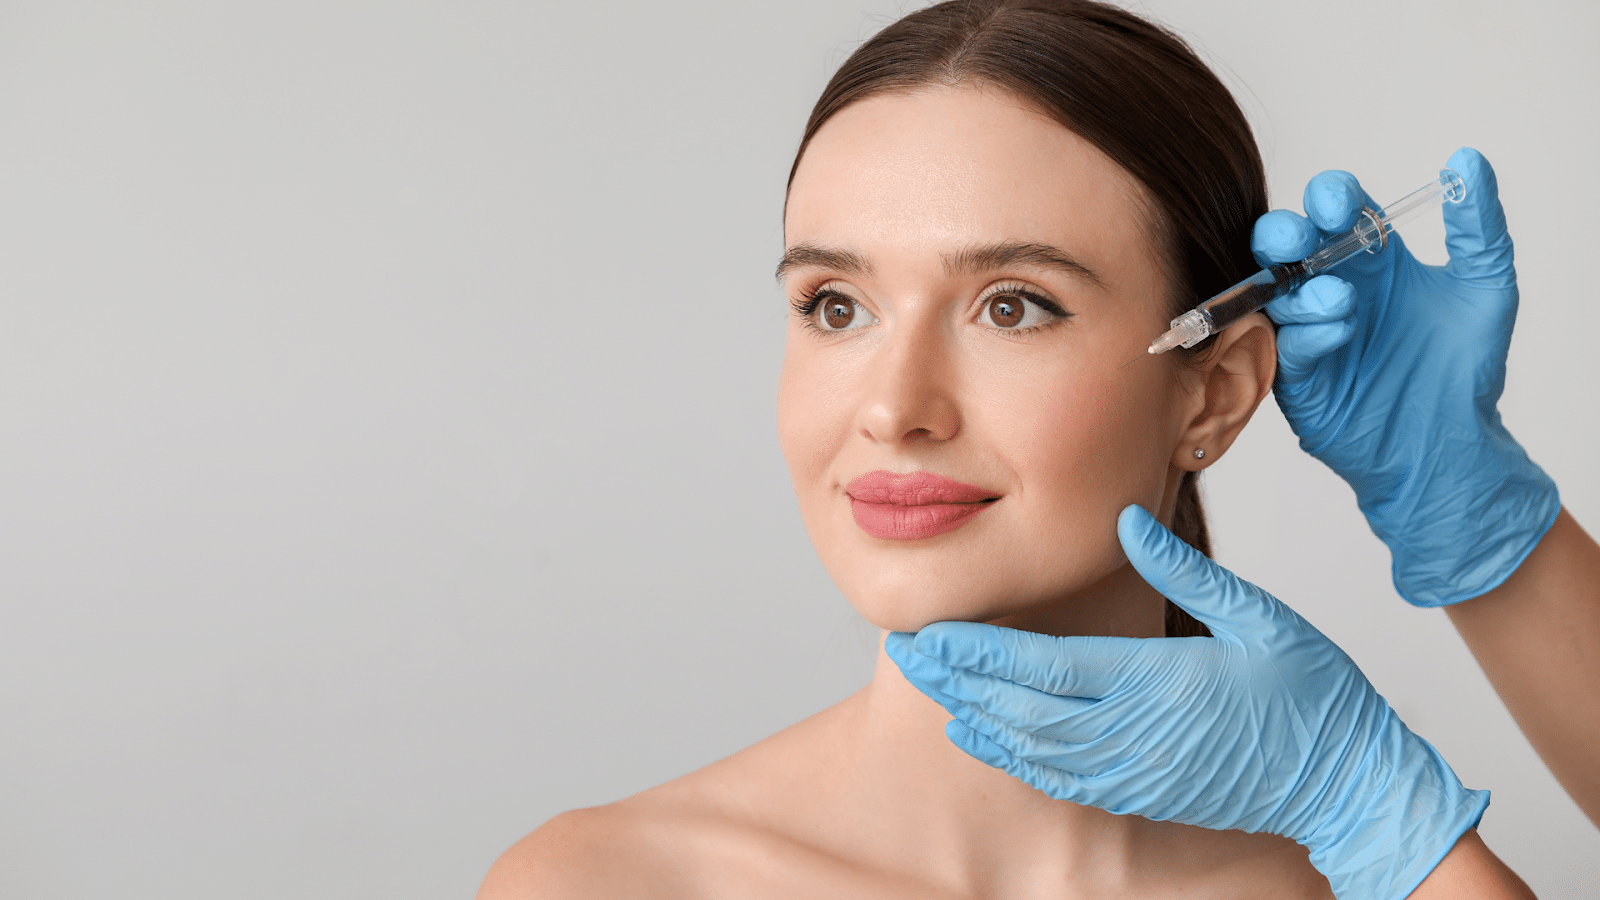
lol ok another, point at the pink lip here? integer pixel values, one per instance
(913, 506)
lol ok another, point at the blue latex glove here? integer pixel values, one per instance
(1390, 373)
(1268, 726)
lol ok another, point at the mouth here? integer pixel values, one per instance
(914, 506)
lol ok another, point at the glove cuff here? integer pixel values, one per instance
(1408, 814)
(1448, 549)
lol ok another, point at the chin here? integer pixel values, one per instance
(1041, 588)
(913, 604)
(1028, 570)
(915, 617)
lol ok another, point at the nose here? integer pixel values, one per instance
(909, 390)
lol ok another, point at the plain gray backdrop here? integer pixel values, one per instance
(386, 409)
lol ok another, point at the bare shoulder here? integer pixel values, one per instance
(721, 831)
(608, 851)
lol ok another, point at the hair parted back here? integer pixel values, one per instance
(1129, 87)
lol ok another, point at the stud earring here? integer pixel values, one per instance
(1199, 454)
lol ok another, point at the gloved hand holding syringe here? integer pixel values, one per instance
(1459, 516)
(1370, 233)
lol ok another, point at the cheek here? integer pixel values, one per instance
(813, 415)
(1086, 444)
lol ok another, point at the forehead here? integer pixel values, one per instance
(950, 167)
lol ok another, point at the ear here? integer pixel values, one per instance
(1235, 375)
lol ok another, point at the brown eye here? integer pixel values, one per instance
(830, 310)
(1017, 309)
(1006, 311)
(838, 314)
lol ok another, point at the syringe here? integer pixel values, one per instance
(1371, 233)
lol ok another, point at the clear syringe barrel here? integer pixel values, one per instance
(1372, 228)
(1370, 233)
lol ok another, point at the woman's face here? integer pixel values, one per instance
(953, 407)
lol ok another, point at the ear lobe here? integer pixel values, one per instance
(1236, 375)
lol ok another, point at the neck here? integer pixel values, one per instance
(976, 828)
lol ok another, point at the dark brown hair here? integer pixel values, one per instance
(1129, 87)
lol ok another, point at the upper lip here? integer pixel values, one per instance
(914, 489)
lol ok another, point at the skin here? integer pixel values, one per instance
(868, 798)
(1048, 420)
(1548, 613)
(1470, 871)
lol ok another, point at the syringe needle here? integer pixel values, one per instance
(1134, 360)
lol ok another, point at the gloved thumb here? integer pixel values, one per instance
(1187, 577)
(1475, 229)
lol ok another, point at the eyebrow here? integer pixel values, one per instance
(972, 260)
(807, 255)
(989, 257)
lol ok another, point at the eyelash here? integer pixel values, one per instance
(805, 306)
(1016, 289)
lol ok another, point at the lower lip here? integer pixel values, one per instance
(894, 522)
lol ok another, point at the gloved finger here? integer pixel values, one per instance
(1475, 229)
(1015, 704)
(1333, 199)
(1096, 729)
(921, 671)
(1058, 784)
(1085, 666)
(1282, 236)
(1011, 705)
(1187, 577)
(1322, 299)
(1301, 347)
(976, 745)
(1025, 743)
(1096, 739)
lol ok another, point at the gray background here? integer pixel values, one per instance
(386, 409)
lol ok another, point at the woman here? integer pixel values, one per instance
(994, 206)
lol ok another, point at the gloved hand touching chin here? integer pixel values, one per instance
(1267, 726)
(1390, 373)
